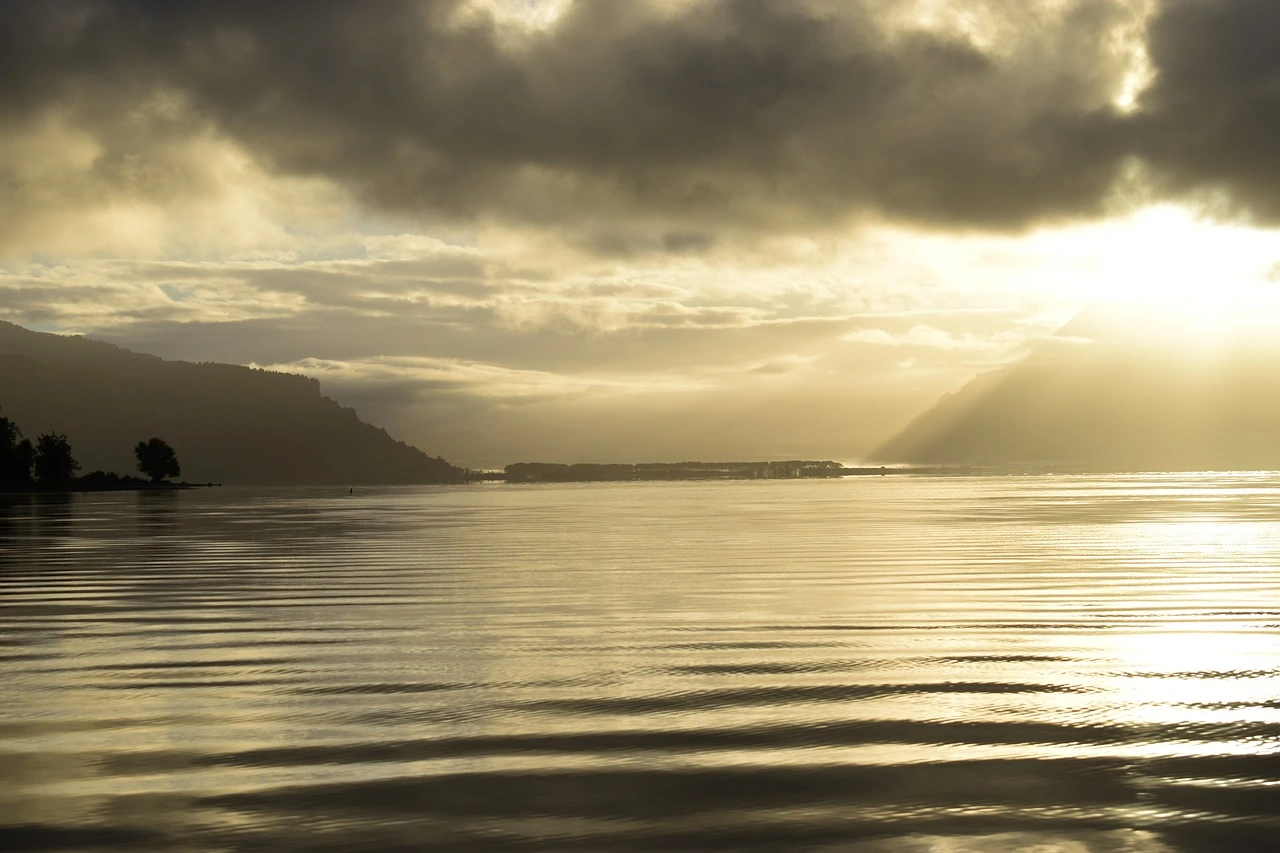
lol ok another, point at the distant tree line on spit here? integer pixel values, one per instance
(552, 472)
(49, 463)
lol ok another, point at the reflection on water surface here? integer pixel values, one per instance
(1080, 663)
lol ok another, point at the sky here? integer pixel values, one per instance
(652, 230)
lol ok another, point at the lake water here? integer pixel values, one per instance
(1038, 663)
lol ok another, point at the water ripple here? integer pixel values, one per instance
(1068, 663)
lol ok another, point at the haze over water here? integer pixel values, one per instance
(1087, 663)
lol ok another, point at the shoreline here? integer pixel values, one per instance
(72, 488)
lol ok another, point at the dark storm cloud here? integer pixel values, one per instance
(757, 113)
(1212, 116)
(664, 116)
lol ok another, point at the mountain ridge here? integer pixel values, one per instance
(228, 423)
(1107, 393)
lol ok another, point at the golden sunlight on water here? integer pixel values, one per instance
(1048, 663)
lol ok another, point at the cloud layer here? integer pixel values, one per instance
(676, 117)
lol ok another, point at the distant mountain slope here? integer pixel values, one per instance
(1106, 394)
(229, 424)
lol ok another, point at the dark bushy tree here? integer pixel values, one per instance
(53, 460)
(156, 459)
(16, 454)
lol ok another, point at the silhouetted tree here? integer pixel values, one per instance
(9, 433)
(53, 460)
(16, 454)
(156, 459)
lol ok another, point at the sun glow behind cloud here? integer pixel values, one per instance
(1208, 277)
(1184, 272)
(519, 15)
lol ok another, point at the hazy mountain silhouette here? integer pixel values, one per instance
(228, 424)
(1113, 390)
